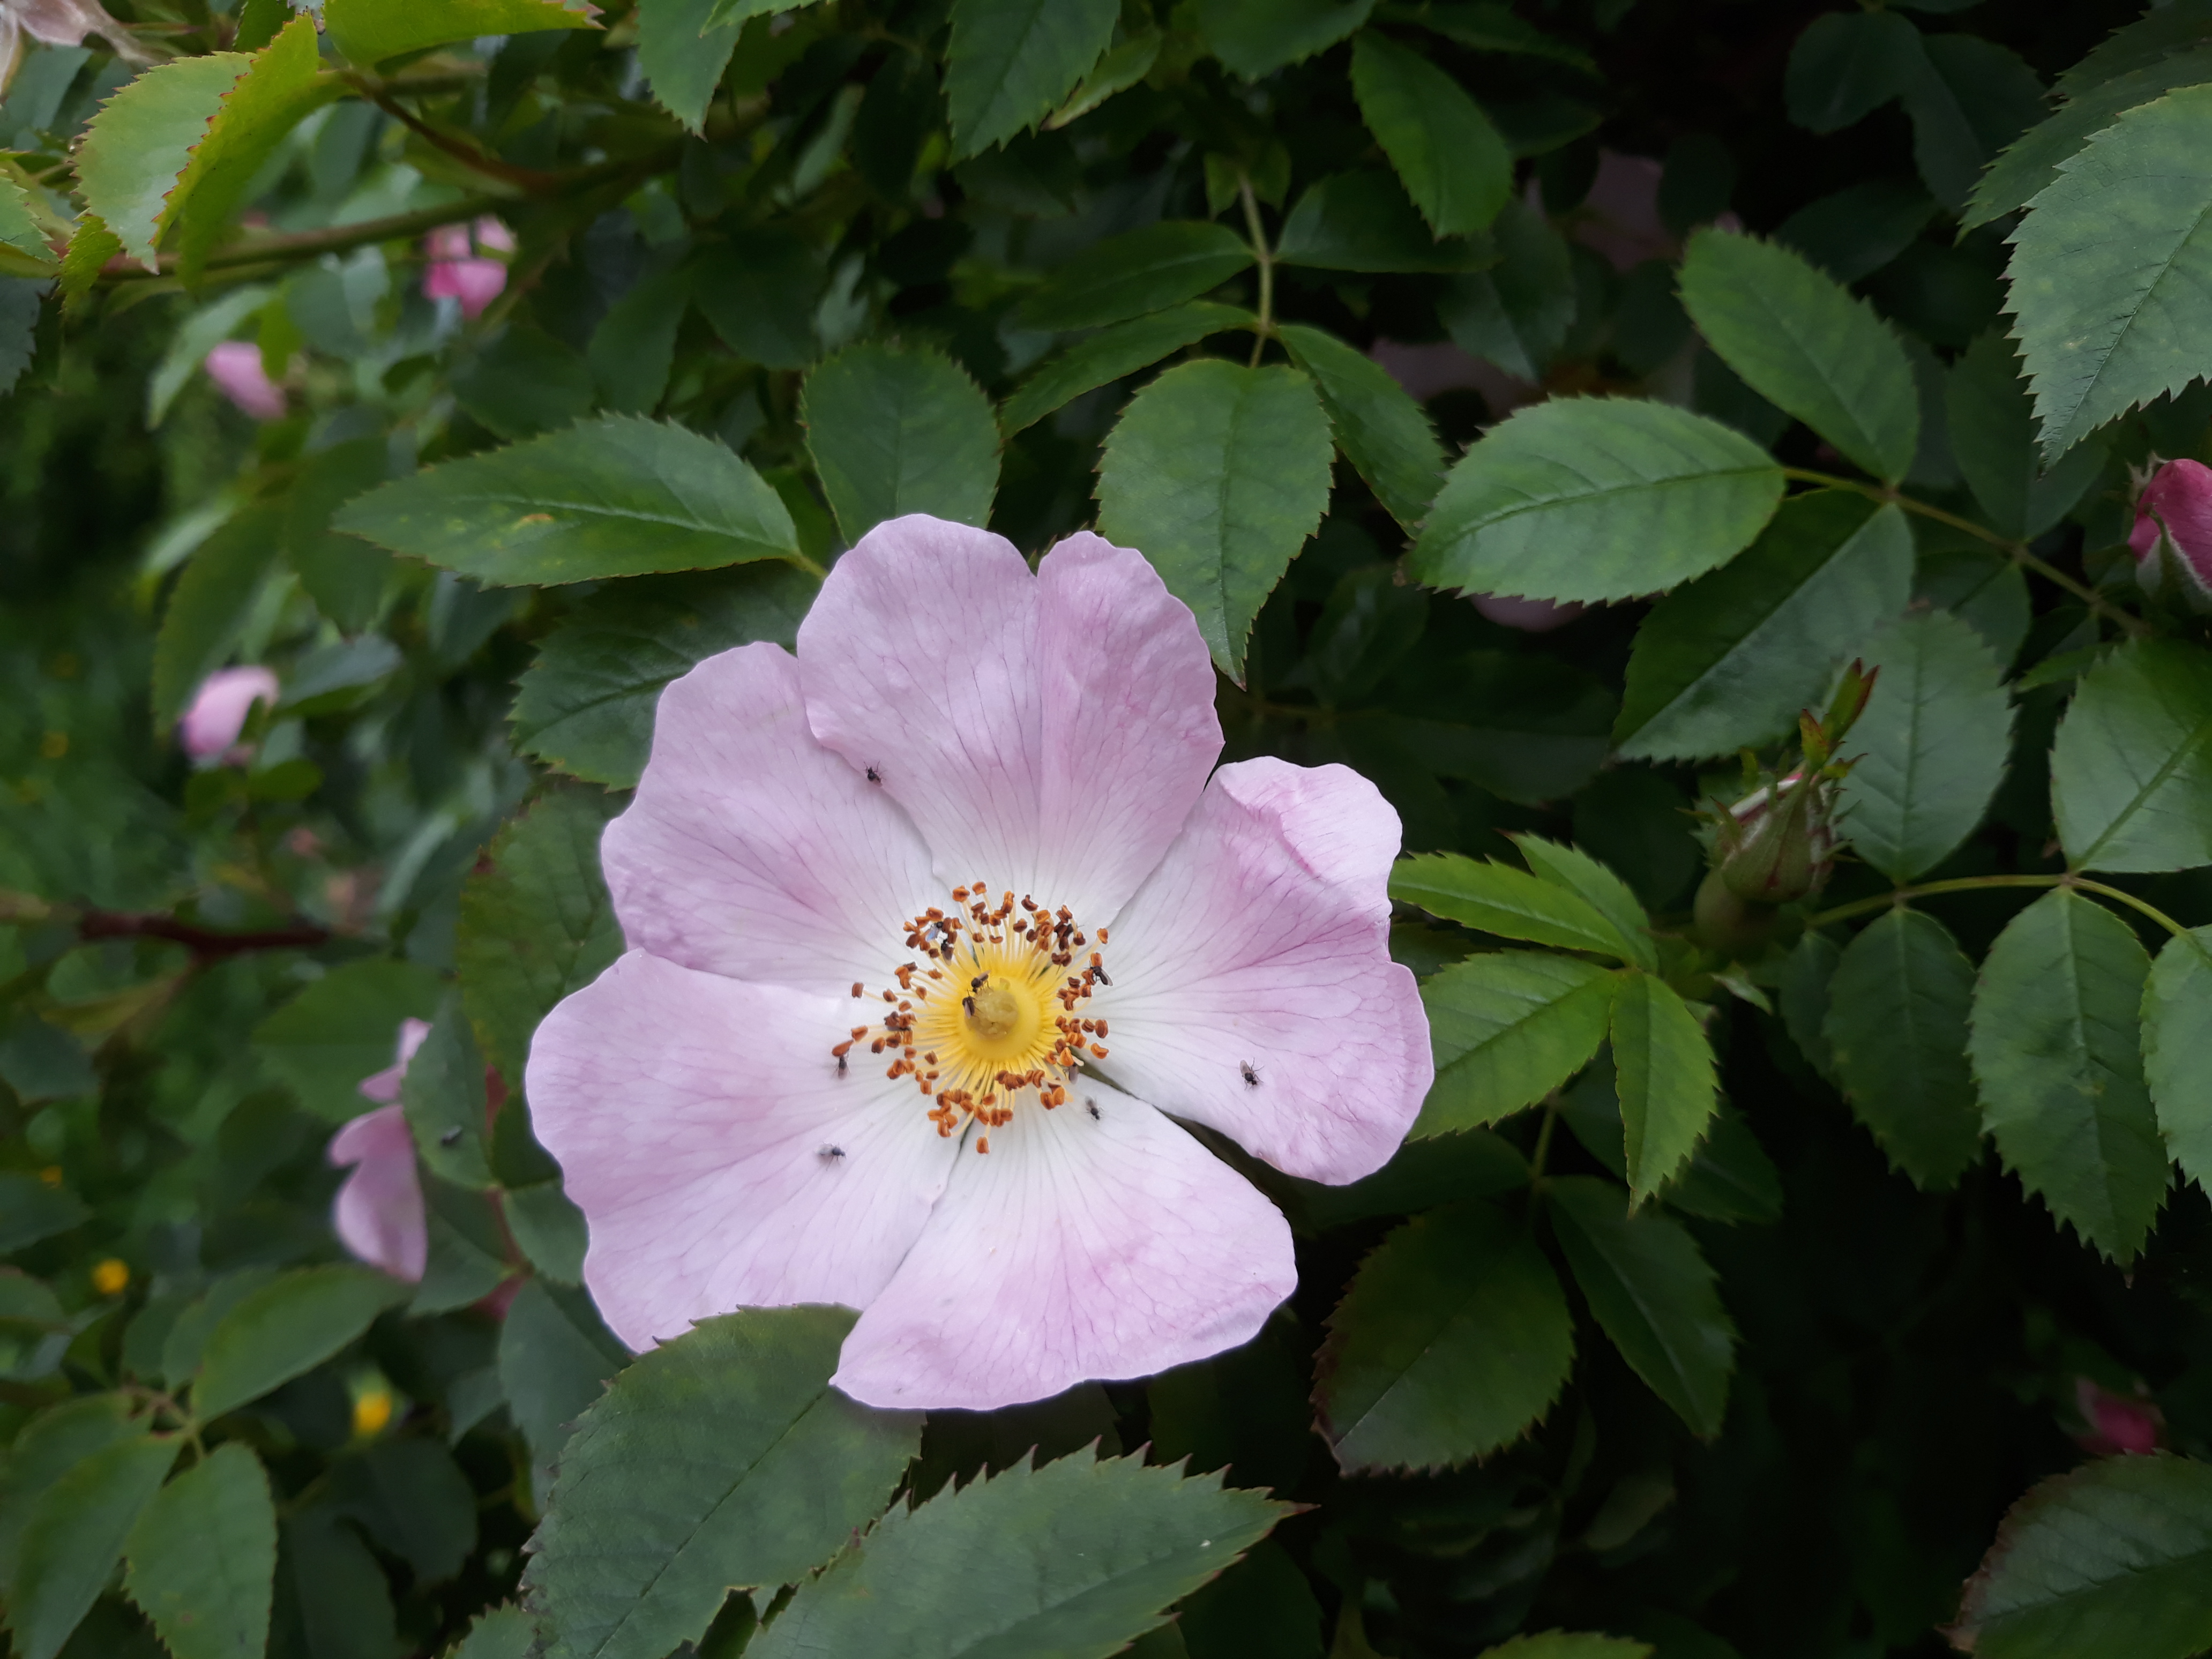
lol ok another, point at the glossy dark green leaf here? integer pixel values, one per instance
(1381, 430)
(369, 30)
(344, 1027)
(1111, 353)
(759, 290)
(332, 1600)
(444, 1098)
(1452, 1340)
(290, 1325)
(343, 574)
(503, 1633)
(894, 432)
(1255, 38)
(2057, 1058)
(633, 350)
(2131, 770)
(1450, 159)
(1652, 1293)
(554, 1353)
(1798, 338)
(1217, 474)
(1896, 1028)
(1575, 872)
(1263, 1604)
(141, 139)
(1730, 659)
(1991, 426)
(2109, 1557)
(683, 57)
(1847, 64)
(30, 1210)
(1508, 1028)
(202, 1556)
(1529, 729)
(1013, 62)
(1516, 313)
(1496, 898)
(410, 1498)
(47, 1447)
(1859, 229)
(1138, 271)
(74, 1537)
(2177, 1044)
(1090, 1553)
(1666, 1077)
(618, 496)
(722, 1458)
(208, 606)
(1590, 499)
(1364, 221)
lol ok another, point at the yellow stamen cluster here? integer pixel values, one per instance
(990, 1010)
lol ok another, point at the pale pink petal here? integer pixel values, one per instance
(218, 711)
(1529, 616)
(1078, 1247)
(385, 1085)
(476, 283)
(493, 235)
(1262, 942)
(378, 1213)
(1048, 735)
(720, 1157)
(235, 367)
(447, 243)
(751, 850)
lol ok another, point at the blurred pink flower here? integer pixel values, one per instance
(1529, 616)
(2118, 1422)
(2171, 536)
(235, 367)
(209, 729)
(950, 1156)
(456, 269)
(378, 1213)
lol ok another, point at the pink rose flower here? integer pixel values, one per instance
(2117, 1422)
(209, 729)
(235, 367)
(456, 271)
(930, 928)
(378, 1211)
(1529, 616)
(2173, 534)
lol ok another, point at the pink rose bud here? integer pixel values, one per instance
(493, 236)
(2173, 533)
(379, 1213)
(235, 367)
(1529, 616)
(209, 729)
(2117, 1422)
(458, 270)
(1778, 844)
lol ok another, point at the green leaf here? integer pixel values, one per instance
(1664, 1073)
(343, 575)
(633, 350)
(1110, 354)
(1730, 1178)
(1991, 426)
(1217, 474)
(141, 139)
(1848, 64)
(1012, 63)
(48, 1447)
(722, 1458)
(413, 1501)
(1452, 161)
(1496, 898)
(445, 1101)
(536, 924)
(1652, 1293)
(1592, 499)
(1574, 871)
(188, 1333)
(1575, 1644)
(2110, 1558)
(1364, 221)
(1797, 338)
(30, 1210)
(1971, 98)
(894, 432)
(684, 54)
(18, 228)
(1255, 38)
(1452, 1340)
(1381, 431)
(74, 1537)
(1931, 747)
(1516, 314)
(2056, 1057)
(369, 30)
(759, 291)
(202, 1558)
(332, 1600)
(1086, 1556)
(618, 496)
(524, 382)
(1856, 230)
(503, 1633)
(2131, 769)
(585, 705)
(468, 1246)
(1508, 1027)
(1803, 999)
(281, 83)
(1530, 729)
(1729, 659)
(554, 1353)
(1138, 271)
(2177, 1045)
(2107, 266)
(287, 1326)
(1896, 1030)
(343, 1028)
(1262, 1605)
(208, 606)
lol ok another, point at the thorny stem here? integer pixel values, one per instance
(22, 910)
(2126, 621)
(1971, 884)
(1266, 255)
(536, 182)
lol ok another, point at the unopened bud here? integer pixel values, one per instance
(2172, 535)
(1778, 843)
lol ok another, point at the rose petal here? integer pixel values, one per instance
(1046, 734)
(236, 368)
(1263, 940)
(219, 709)
(752, 851)
(378, 1213)
(694, 1119)
(1076, 1248)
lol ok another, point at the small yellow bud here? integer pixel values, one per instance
(54, 745)
(110, 1277)
(52, 1174)
(372, 1411)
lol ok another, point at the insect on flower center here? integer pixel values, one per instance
(988, 1016)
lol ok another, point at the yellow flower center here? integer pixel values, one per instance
(988, 1015)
